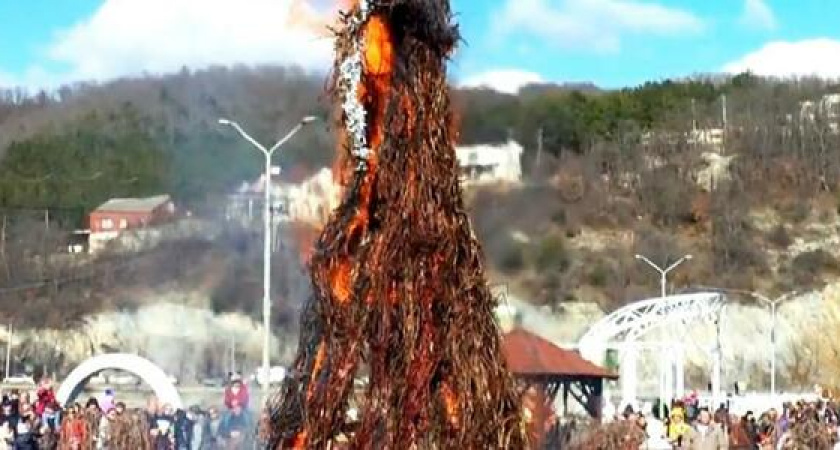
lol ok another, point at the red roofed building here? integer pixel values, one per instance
(529, 355)
(119, 215)
(129, 213)
(537, 363)
(542, 369)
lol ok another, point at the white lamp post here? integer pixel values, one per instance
(663, 280)
(774, 303)
(773, 306)
(667, 384)
(267, 152)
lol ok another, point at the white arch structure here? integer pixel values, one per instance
(623, 328)
(150, 373)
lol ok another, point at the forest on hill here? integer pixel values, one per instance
(72, 148)
(598, 164)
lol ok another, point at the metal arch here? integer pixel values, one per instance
(633, 321)
(153, 375)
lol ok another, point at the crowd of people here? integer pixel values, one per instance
(36, 421)
(684, 424)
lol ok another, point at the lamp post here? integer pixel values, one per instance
(663, 273)
(774, 303)
(667, 382)
(773, 306)
(267, 152)
(717, 363)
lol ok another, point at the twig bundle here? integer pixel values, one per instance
(400, 299)
(809, 435)
(130, 430)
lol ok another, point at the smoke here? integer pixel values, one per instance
(187, 342)
(563, 328)
(186, 308)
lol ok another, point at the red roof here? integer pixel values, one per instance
(530, 355)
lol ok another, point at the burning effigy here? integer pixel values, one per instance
(399, 348)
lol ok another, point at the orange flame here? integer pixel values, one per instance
(299, 441)
(393, 296)
(375, 89)
(450, 403)
(342, 281)
(320, 355)
(379, 52)
(319, 359)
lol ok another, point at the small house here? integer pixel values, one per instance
(121, 214)
(489, 164)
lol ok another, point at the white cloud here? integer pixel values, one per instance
(126, 37)
(32, 79)
(812, 57)
(597, 25)
(7, 79)
(508, 81)
(757, 14)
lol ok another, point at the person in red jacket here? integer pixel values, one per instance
(238, 391)
(46, 396)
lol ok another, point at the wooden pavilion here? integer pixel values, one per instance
(542, 367)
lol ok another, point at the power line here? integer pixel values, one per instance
(12, 177)
(100, 269)
(40, 209)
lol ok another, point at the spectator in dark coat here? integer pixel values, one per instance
(27, 429)
(183, 431)
(236, 426)
(210, 439)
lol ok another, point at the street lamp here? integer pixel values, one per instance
(668, 359)
(773, 307)
(267, 152)
(773, 304)
(664, 272)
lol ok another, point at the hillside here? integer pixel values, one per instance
(608, 174)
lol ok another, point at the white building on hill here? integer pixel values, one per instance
(294, 198)
(711, 138)
(828, 106)
(488, 164)
(826, 109)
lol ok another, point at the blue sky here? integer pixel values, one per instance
(507, 42)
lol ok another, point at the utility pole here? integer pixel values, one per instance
(717, 364)
(3, 238)
(693, 116)
(9, 351)
(724, 120)
(539, 147)
(233, 354)
(724, 117)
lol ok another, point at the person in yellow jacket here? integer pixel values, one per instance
(678, 430)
